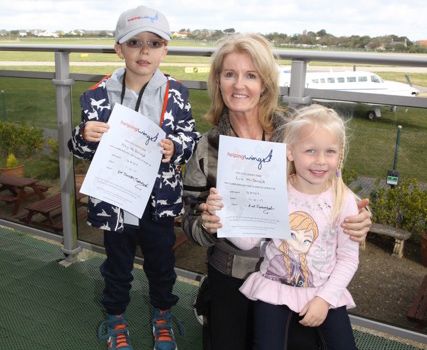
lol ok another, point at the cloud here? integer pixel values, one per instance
(338, 17)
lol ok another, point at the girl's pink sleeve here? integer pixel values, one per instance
(245, 243)
(347, 258)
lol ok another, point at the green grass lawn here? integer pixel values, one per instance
(372, 143)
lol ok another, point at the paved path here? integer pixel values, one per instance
(363, 185)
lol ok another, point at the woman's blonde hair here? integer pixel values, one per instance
(318, 116)
(259, 50)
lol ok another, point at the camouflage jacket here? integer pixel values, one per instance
(179, 126)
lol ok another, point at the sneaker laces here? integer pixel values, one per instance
(117, 329)
(162, 326)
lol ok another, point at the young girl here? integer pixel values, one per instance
(306, 276)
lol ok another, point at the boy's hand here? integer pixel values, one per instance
(314, 312)
(357, 226)
(168, 149)
(93, 131)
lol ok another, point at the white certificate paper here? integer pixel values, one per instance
(251, 179)
(125, 165)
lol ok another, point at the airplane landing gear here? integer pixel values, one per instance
(374, 113)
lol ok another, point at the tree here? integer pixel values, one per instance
(321, 33)
(229, 31)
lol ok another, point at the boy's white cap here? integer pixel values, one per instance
(141, 19)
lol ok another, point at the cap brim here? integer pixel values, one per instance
(134, 32)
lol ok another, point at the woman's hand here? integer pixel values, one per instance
(357, 226)
(209, 220)
(93, 131)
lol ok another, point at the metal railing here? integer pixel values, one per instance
(295, 94)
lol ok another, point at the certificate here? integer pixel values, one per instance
(125, 165)
(251, 179)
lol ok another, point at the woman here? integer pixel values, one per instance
(244, 92)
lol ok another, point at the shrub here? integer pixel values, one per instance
(403, 206)
(46, 164)
(20, 139)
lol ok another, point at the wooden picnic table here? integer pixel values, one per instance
(13, 189)
(49, 208)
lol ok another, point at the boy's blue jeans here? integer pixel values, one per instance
(272, 322)
(156, 239)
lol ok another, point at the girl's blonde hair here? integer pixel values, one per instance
(318, 116)
(259, 50)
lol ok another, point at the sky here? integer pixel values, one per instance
(337, 17)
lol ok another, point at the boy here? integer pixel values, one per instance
(141, 37)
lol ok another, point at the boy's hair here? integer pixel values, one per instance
(319, 116)
(141, 19)
(259, 50)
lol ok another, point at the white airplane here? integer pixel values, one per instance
(355, 81)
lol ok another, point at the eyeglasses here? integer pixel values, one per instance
(139, 44)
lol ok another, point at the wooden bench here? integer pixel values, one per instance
(418, 309)
(49, 208)
(17, 188)
(399, 235)
(42, 187)
(46, 207)
(8, 198)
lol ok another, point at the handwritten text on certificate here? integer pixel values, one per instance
(251, 179)
(126, 162)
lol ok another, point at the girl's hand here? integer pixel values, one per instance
(168, 149)
(314, 312)
(357, 226)
(214, 201)
(93, 131)
(209, 220)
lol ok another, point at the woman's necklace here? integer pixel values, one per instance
(235, 133)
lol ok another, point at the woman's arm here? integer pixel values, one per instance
(196, 191)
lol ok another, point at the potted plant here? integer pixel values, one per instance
(18, 141)
(12, 166)
(403, 206)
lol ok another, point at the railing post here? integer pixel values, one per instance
(63, 85)
(3, 104)
(297, 85)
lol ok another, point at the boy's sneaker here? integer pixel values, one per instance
(115, 331)
(164, 338)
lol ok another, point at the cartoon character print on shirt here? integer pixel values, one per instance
(304, 232)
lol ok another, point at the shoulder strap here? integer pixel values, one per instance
(105, 77)
(212, 158)
(165, 104)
